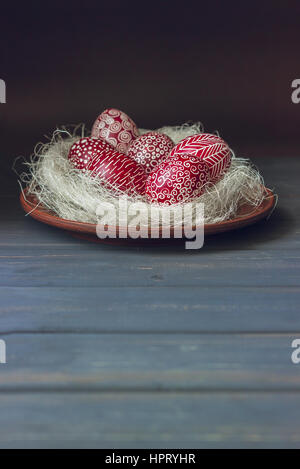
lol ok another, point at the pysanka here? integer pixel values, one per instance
(150, 164)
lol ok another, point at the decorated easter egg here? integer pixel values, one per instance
(116, 128)
(209, 148)
(178, 179)
(150, 149)
(99, 159)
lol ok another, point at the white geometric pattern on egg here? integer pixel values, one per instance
(99, 159)
(116, 128)
(150, 150)
(209, 148)
(178, 179)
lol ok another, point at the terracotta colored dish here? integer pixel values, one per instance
(246, 216)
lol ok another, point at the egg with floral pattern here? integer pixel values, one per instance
(181, 178)
(116, 128)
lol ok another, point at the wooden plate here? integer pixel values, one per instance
(246, 216)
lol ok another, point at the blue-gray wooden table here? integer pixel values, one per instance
(145, 347)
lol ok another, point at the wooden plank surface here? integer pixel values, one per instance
(149, 362)
(61, 266)
(152, 309)
(152, 346)
(149, 420)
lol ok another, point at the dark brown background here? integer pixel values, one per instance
(228, 64)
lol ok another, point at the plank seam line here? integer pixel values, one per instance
(173, 390)
(153, 332)
(153, 285)
(184, 287)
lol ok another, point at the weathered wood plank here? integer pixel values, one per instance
(149, 362)
(147, 420)
(86, 267)
(152, 309)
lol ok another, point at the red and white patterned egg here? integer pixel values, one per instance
(209, 148)
(178, 179)
(150, 149)
(101, 160)
(116, 128)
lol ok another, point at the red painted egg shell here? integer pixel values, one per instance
(150, 150)
(178, 179)
(209, 148)
(101, 160)
(116, 128)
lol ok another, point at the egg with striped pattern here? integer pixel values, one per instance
(99, 159)
(211, 149)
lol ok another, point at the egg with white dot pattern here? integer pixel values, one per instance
(99, 159)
